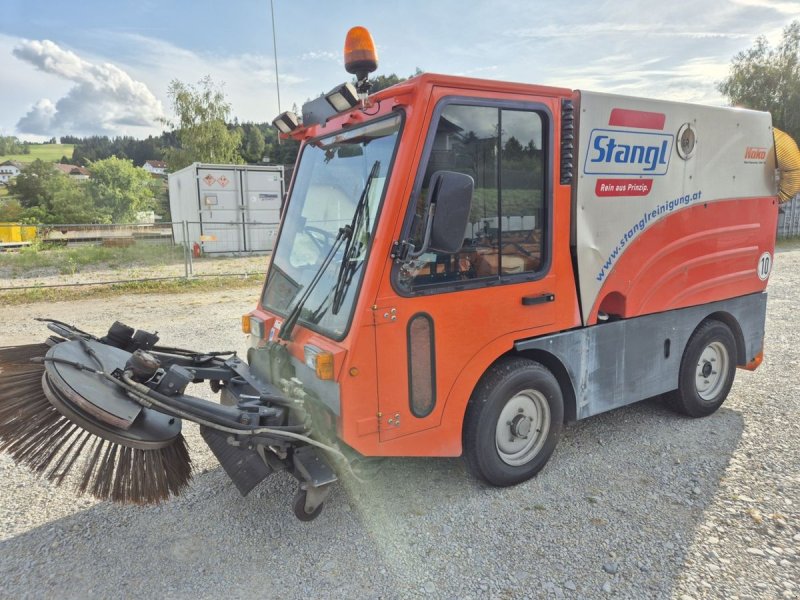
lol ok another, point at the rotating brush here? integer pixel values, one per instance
(48, 425)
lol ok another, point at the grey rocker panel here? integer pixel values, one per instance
(620, 362)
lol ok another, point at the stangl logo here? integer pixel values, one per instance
(625, 152)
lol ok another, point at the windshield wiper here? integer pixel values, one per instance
(353, 248)
(285, 331)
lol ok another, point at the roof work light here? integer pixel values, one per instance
(342, 97)
(286, 122)
(360, 56)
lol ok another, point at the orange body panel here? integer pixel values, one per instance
(472, 328)
(697, 255)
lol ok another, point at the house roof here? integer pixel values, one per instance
(156, 164)
(72, 169)
(12, 163)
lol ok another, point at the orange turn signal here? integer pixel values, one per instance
(320, 360)
(360, 56)
(325, 365)
(245, 323)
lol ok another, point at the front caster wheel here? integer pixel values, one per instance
(513, 422)
(299, 507)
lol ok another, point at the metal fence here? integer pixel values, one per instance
(789, 218)
(44, 256)
(66, 255)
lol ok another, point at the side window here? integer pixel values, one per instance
(502, 150)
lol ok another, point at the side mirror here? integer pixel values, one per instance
(451, 193)
(449, 205)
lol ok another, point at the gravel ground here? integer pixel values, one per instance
(637, 503)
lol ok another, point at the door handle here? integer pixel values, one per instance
(531, 300)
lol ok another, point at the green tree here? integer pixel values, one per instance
(119, 190)
(45, 195)
(96, 147)
(35, 184)
(72, 204)
(767, 78)
(202, 133)
(381, 82)
(10, 210)
(9, 144)
(513, 149)
(253, 145)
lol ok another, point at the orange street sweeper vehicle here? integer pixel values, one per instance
(462, 267)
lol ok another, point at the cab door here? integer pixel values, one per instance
(436, 312)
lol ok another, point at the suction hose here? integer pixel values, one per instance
(788, 157)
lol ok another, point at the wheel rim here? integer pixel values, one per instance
(522, 427)
(712, 368)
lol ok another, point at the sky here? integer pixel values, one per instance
(103, 67)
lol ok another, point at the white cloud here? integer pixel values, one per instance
(104, 98)
(635, 47)
(615, 28)
(487, 71)
(322, 55)
(39, 119)
(787, 8)
(691, 81)
(248, 79)
(83, 86)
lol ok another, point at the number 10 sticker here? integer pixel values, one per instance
(764, 266)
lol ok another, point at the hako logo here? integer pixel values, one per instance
(756, 154)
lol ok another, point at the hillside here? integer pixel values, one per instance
(49, 152)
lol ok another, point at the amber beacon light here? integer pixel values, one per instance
(360, 56)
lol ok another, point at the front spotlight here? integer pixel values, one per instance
(342, 97)
(286, 122)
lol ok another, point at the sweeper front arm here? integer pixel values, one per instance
(119, 401)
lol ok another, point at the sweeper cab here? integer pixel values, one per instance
(463, 266)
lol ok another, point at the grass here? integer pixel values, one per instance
(46, 152)
(71, 260)
(168, 286)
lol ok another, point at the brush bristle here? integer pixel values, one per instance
(35, 434)
(17, 359)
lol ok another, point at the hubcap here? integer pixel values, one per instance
(522, 427)
(712, 367)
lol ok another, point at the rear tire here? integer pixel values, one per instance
(707, 370)
(513, 422)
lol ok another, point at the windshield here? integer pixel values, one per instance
(319, 259)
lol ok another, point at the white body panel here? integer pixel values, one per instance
(631, 174)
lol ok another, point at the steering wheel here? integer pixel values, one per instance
(323, 239)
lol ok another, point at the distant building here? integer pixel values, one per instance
(75, 172)
(9, 170)
(155, 167)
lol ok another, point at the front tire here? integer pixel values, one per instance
(513, 422)
(707, 370)
(299, 507)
